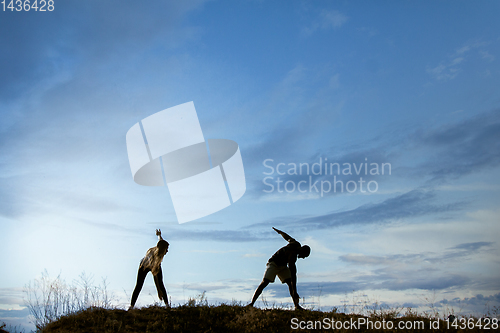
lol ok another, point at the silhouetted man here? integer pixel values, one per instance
(152, 263)
(282, 263)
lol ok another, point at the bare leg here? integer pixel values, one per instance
(141, 276)
(162, 292)
(259, 290)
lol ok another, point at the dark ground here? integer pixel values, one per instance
(225, 318)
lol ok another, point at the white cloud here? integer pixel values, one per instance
(444, 71)
(288, 197)
(448, 70)
(212, 251)
(332, 19)
(334, 82)
(327, 19)
(253, 255)
(463, 49)
(11, 299)
(369, 31)
(479, 186)
(486, 55)
(318, 246)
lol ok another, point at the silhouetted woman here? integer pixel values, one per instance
(152, 263)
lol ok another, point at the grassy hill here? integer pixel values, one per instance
(234, 318)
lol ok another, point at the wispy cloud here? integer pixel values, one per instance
(17, 318)
(318, 246)
(486, 55)
(212, 251)
(331, 19)
(414, 280)
(37, 48)
(11, 297)
(451, 68)
(253, 255)
(300, 106)
(326, 20)
(219, 235)
(480, 301)
(458, 252)
(415, 203)
(446, 71)
(471, 247)
(447, 152)
(432, 271)
(462, 148)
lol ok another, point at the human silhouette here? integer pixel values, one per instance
(152, 263)
(282, 263)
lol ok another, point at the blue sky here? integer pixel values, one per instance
(413, 84)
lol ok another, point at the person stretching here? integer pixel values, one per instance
(152, 263)
(277, 265)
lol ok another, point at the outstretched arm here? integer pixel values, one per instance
(283, 234)
(158, 233)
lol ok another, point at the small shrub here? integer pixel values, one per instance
(48, 299)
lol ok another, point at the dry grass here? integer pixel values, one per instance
(224, 318)
(83, 307)
(50, 298)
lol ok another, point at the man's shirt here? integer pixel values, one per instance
(287, 254)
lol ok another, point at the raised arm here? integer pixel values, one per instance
(283, 234)
(158, 233)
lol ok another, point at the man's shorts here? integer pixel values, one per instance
(272, 270)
